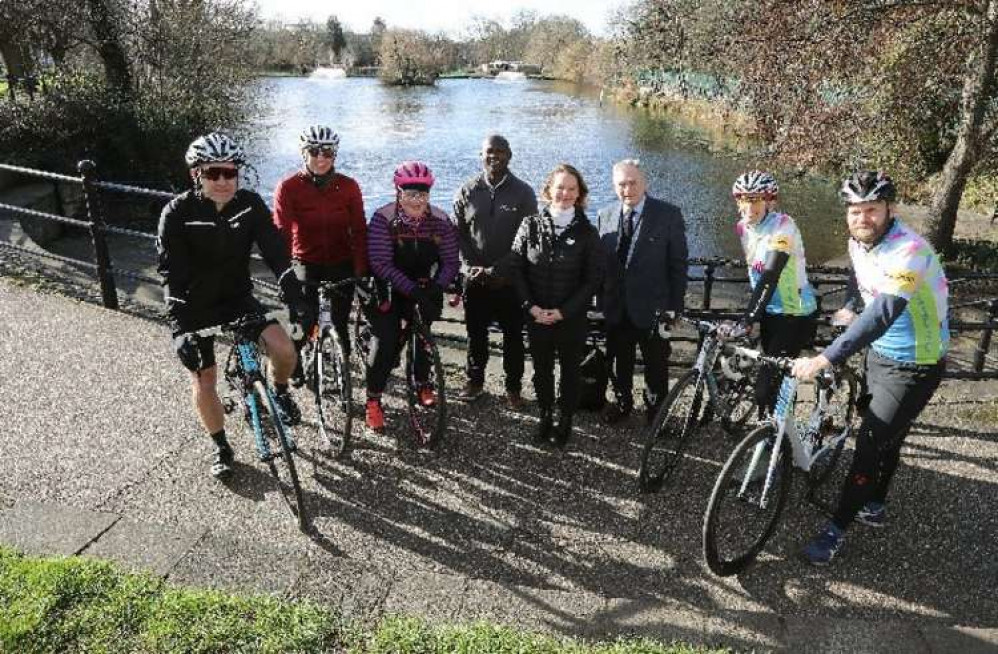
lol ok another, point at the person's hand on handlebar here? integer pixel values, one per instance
(666, 320)
(807, 368)
(843, 318)
(729, 330)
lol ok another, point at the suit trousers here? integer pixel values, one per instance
(482, 306)
(622, 341)
(565, 342)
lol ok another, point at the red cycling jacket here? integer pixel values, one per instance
(322, 225)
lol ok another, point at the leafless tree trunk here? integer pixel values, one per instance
(978, 94)
(109, 46)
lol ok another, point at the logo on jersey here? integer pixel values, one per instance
(780, 243)
(904, 280)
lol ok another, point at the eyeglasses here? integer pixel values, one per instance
(328, 153)
(415, 195)
(749, 199)
(215, 174)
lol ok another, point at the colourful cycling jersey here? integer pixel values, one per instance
(794, 295)
(903, 264)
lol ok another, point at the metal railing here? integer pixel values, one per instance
(827, 280)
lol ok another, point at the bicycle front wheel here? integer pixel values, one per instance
(746, 503)
(427, 394)
(682, 412)
(281, 445)
(333, 392)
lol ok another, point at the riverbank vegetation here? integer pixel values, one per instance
(85, 605)
(130, 83)
(831, 86)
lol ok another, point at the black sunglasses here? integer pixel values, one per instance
(325, 152)
(215, 174)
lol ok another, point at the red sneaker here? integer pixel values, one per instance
(375, 416)
(427, 397)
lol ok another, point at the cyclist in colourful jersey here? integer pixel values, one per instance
(905, 324)
(782, 299)
(412, 247)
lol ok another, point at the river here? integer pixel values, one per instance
(546, 123)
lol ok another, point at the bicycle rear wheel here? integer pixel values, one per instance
(333, 392)
(840, 415)
(681, 414)
(738, 396)
(427, 419)
(746, 503)
(283, 446)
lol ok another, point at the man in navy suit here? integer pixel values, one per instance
(645, 243)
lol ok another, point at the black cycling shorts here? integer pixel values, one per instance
(231, 311)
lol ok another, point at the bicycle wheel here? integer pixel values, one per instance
(839, 415)
(281, 445)
(426, 418)
(738, 396)
(745, 505)
(680, 415)
(333, 392)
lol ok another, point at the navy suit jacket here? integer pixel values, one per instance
(655, 278)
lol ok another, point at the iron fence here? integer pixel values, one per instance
(706, 274)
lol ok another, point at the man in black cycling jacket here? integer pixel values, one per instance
(204, 242)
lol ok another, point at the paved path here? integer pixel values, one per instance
(103, 457)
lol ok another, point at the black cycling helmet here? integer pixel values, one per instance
(867, 186)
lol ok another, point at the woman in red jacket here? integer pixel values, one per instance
(320, 212)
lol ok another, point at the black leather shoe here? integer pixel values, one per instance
(543, 433)
(562, 432)
(615, 413)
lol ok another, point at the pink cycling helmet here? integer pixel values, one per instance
(413, 173)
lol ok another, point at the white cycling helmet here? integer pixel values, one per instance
(867, 186)
(319, 136)
(756, 182)
(215, 147)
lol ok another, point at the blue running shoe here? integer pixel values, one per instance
(825, 545)
(873, 514)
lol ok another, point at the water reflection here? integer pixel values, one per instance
(546, 123)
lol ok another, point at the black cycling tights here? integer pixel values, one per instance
(898, 393)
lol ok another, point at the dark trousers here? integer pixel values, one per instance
(780, 336)
(622, 341)
(482, 306)
(310, 275)
(566, 342)
(386, 329)
(898, 393)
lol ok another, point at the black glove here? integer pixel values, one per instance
(291, 290)
(188, 350)
(430, 299)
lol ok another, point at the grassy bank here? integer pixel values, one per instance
(83, 605)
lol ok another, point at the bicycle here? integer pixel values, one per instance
(755, 480)
(427, 421)
(244, 376)
(730, 399)
(326, 359)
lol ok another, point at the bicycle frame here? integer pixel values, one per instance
(787, 427)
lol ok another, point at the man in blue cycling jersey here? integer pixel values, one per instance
(899, 278)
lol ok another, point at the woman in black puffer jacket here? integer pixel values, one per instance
(556, 269)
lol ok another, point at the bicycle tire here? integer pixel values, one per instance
(739, 399)
(427, 423)
(822, 468)
(274, 431)
(723, 557)
(333, 391)
(674, 424)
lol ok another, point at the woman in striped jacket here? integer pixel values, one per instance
(412, 247)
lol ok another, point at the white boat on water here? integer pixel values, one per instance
(510, 76)
(328, 72)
